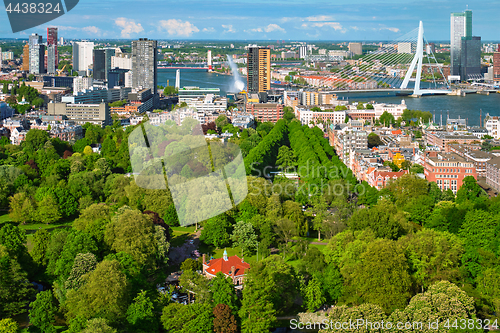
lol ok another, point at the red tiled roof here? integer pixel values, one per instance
(397, 132)
(214, 266)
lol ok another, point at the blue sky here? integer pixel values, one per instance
(265, 20)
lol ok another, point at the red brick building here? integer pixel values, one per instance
(232, 267)
(447, 170)
(381, 178)
(266, 111)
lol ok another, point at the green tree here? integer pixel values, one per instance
(223, 291)
(244, 236)
(469, 190)
(15, 289)
(217, 231)
(48, 210)
(381, 275)
(313, 295)
(432, 256)
(196, 317)
(387, 119)
(22, 208)
(374, 140)
(8, 325)
(43, 311)
(40, 242)
(98, 325)
(221, 121)
(286, 158)
(132, 232)
(140, 314)
(340, 108)
(84, 263)
(104, 294)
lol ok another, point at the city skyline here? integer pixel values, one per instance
(297, 20)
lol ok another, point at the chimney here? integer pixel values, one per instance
(203, 258)
(232, 272)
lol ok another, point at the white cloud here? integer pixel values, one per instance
(229, 28)
(128, 27)
(273, 27)
(67, 28)
(178, 27)
(211, 29)
(92, 30)
(390, 29)
(319, 18)
(333, 25)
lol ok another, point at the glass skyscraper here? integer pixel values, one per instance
(465, 50)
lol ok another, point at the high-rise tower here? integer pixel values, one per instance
(52, 54)
(37, 54)
(82, 55)
(144, 64)
(258, 69)
(465, 49)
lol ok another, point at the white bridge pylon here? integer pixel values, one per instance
(417, 60)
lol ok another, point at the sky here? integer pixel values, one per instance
(289, 20)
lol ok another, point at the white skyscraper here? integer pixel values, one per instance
(82, 55)
(178, 79)
(209, 59)
(461, 26)
(302, 51)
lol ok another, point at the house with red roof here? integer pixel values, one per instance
(233, 267)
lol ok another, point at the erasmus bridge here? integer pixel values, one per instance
(392, 67)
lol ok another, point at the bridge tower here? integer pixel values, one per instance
(417, 60)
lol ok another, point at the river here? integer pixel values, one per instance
(468, 107)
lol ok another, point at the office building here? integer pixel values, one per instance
(122, 61)
(302, 51)
(461, 26)
(59, 81)
(82, 55)
(356, 48)
(258, 69)
(102, 63)
(144, 64)
(186, 94)
(36, 54)
(116, 77)
(61, 41)
(52, 55)
(26, 57)
(470, 58)
(496, 64)
(82, 83)
(97, 114)
(465, 49)
(447, 170)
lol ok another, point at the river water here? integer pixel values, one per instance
(468, 107)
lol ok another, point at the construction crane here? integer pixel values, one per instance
(59, 71)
